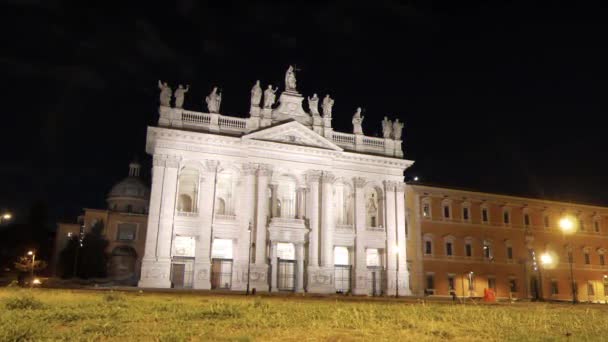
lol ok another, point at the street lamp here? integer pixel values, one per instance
(249, 261)
(566, 224)
(32, 270)
(5, 217)
(396, 251)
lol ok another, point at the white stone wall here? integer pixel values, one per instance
(264, 189)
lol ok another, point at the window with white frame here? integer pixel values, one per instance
(602, 256)
(451, 282)
(488, 252)
(596, 226)
(587, 255)
(466, 211)
(468, 247)
(492, 283)
(446, 209)
(426, 207)
(506, 216)
(526, 218)
(430, 281)
(581, 224)
(485, 214)
(509, 250)
(449, 245)
(554, 287)
(590, 289)
(512, 284)
(546, 220)
(428, 244)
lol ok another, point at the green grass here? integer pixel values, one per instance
(42, 314)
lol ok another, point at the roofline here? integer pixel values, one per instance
(421, 186)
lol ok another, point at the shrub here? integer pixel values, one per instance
(113, 297)
(23, 303)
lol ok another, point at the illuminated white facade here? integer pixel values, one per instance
(321, 211)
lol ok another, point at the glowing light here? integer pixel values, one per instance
(546, 259)
(30, 253)
(415, 179)
(36, 281)
(7, 216)
(566, 224)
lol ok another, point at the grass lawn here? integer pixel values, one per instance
(44, 314)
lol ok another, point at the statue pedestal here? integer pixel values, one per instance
(155, 274)
(290, 107)
(321, 280)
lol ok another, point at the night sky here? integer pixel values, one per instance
(509, 98)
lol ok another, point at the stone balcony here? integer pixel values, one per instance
(236, 126)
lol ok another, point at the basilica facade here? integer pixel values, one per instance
(276, 201)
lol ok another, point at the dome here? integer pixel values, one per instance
(130, 194)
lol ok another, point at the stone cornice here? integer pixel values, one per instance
(184, 140)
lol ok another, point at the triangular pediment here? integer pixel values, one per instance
(293, 133)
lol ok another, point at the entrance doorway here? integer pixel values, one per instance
(221, 273)
(375, 280)
(182, 272)
(342, 277)
(286, 275)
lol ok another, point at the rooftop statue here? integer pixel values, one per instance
(387, 128)
(328, 103)
(179, 95)
(269, 96)
(397, 129)
(357, 121)
(256, 94)
(290, 79)
(213, 101)
(313, 104)
(165, 94)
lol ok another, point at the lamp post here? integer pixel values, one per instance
(396, 251)
(32, 269)
(249, 259)
(566, 224)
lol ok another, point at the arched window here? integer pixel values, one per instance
(373, 207)
(428, 244)
(187, 190)
(225, 192)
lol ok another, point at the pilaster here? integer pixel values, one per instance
(360, 268)
(391, 236)
(403, 284)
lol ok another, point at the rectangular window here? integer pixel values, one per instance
(590, 289)
(554, 288)
(465, 213)
(492, 283)
(126, 231)
(513, 285)
(426, 210)
(468, 249)
(505, 217)
(596, 226)
(428, 247)
(581, 225)
(448, 248)
(587, 259)
(451, 282)
(430, 282)
(509, 252)
(546, 221)
(527, 219)
(446, 211)
(603, 262)
(487, 251)
(484, 214)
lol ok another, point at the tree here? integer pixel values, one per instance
(92, 261)
(67, 257)
(25, 266)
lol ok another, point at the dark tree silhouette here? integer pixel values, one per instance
(67, 257)
(92, 256)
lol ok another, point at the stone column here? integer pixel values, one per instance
(390, 220)
(327, 221)
(149, 272)
(259, 270)
(239, 269)
(404, 286)
(301, 199)
(313, 182)
(300, 267)
(274, 267)
(274, 201)
(360, 265)
(202, 258)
